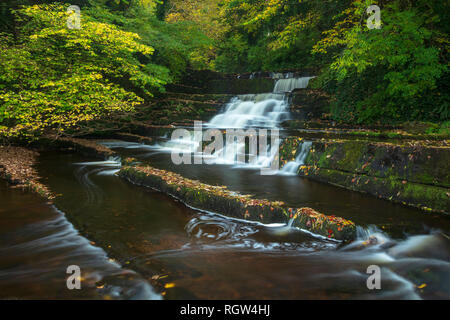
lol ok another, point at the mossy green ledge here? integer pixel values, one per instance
(223, 201)
(414, 175)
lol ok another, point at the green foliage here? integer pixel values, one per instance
(233, 55)
(279, 34)
(53, 77)
(443, 128)
(177, 45)
(390, 74)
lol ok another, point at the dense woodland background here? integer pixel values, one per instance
(53, 77)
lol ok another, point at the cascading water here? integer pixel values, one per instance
(291, 167)
(265, 110)
(287, 85)
(256, 111)
(114, 163)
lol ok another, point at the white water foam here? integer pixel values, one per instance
(291, 168)
(265, 110)
(287, 85)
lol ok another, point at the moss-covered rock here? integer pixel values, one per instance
(133, 138)
(288, 150)
(149, 130)
(418, 164)
(241, 86)
(329, 226)
(412, 175)
(221, 200)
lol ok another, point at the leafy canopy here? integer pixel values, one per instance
(53, 77)
(392, 73)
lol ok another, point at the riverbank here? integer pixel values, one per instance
(17, 162)
(17, 168)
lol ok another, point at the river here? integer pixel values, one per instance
(182, 253)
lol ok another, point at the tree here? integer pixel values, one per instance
(387, 74)
(279, 34)
(53, 77)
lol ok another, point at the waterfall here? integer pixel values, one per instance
(287, 85)
(291, 167)
(265, 110)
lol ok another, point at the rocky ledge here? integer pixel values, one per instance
(223, 201)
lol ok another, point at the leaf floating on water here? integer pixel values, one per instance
(423, 285)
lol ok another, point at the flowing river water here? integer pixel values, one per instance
(136, 243)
